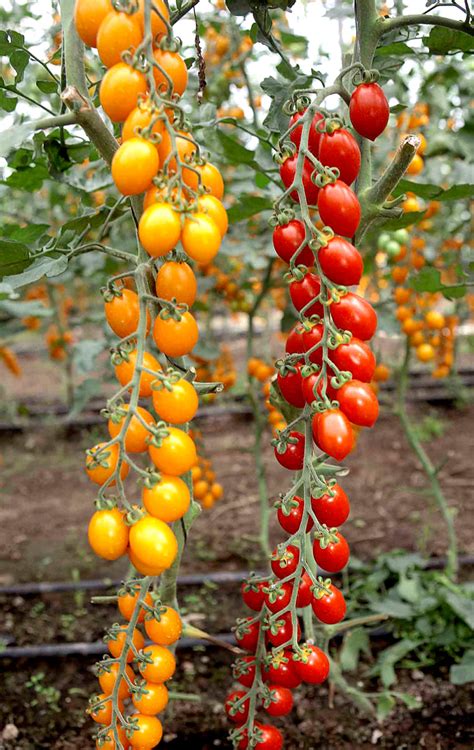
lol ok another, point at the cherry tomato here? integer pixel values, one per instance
(140, 118)
(293, 456)
(159, 229)
(355, 357)
(247, 635)
(127, 602)
(287, 238)
(158, 25)
(279, 596)
(125, 371)
(162, 665)
(271, 738)
(339, 208)
(237, 715)
(290, 386)
(314, 134)
(358, 402)
(281, 670)
(117, 642)
(332, 508)
(101, 464)
(285, 564)
(175, 338)
(123, 313)
(210, 205)
(282, 631)
(146, 570)
(102, 714)
(134, 165)
(309, 385)
(178, 405)
(153, 542)
(294, 343)
(177, 453)
(291, 521)
(334, 557)
(281, 701)
(201, 238)
(312, 337)
(176, 281)
(211, 179)
(108, 678)
(120, 90)
(174, 66)
(148, 732)
(369, 110)
(88, 16)
(108, 743)
(287, 174)
(341, 262)
(302, 292)
(305, 592)
(329, 608)
(117, 33)
(246, 672)
(137, 435)
(167, 629)
(313, 666)
(108, 534)
(153, 701)
(353, 313)
(333, 434)
(252, 594)
(340, 149)
(167, 500)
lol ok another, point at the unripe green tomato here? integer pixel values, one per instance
(382, 240)
(401, 236)
(392, 248)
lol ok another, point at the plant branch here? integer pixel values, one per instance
(386, 25)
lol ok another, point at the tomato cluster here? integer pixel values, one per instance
(205, 488)
(263, 372)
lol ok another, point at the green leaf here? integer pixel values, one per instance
(261, 180)
(393, 608)
(12, 137)
(391, 656)
(47, 87)
(29, 179)
(442, 40)
(462, 605)
(247, 206)
(280, 91)
(14, 257)
(457, 192)
(409, 589)
(400, 563)
(234, 151)
(29, 234)
(355, 643)
(405, 220)
(462, 673)
(19, 60)
(385, 704)
(411, 701)
(430, 192)
(43, 266)
(429, 280)
(397, 48)
(22, 309)
(8, 104)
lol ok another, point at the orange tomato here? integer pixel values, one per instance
(435, 320)
(416, 165)
(134, 166)
(118, 32)
(173, 66)
(155, 195)
(102, 714)
(137, 434)
(126, 603)
(148, 732)
(124, 372)
(210, 205)
(175, 338)
(158, 9)
(167, 500)
(123, 313)
(108, 677)
(176, 281)
(167, 629)
(139, 119)
(185, 147)
(425, 352)
(153, 701)
(159, 229)
(211, 179)
(102, 463)
(178, 405)
(109, 742)
(401, 295)
(162, 666)
(119, 91)
(217, 490)
(153, 542)
(117, 642)
(108, 534)
(146, 570)
(176, 455)
(201, 238)
(88, 16)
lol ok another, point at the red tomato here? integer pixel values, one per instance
(311, 338)
(281, 670)
(369, 110)
(314, 134)
(353, 313)
(313, 666)
(252, 594)
(287, 174)
(305, 592)
(340, 149)
(341, 262)
(294, 343)
(287, 238)
(237, 715)
(333, 434)
(282, 701)
(285, 565)
(279, 596)
(282, 631)
(247, 635)
(334, 557)
(290, 386)
(339, 208)
(332, 508)
(293, 457)
(291, 521)
(247, 676)
(271, 738)
(330, 608)
(302, 292)
(358, 402)
(355, 357)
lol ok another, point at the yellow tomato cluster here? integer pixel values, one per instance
(263, 372)
(220, 370)
(205, 488)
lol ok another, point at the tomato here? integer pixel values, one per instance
(237, 715)
(108, 743)
(270, 738)
(369, 110)
(176, 281)
(159, 229)
(139, 119)
(102, 463)
(312, 388)
(158, 25)
(353, 313)
(290, 386)
(355, 357)
(175, 338)
(341, 262)
(282, 630)
(174, 66)
(117, 33)
(154, 701)
(314, 134)
(153, 542)
(117, 643)
(278, 595)
(210, 205)
(162, 665)
(332, 508)
(293, 456)
(108, 534)
(167, 629)
(340, 149)
(134, 165)
(285, 564)
(290, 520)
(211, 179)
(281, 670)
(281, 701)
(305, 591)
(329, 608)
(126, 604)
(120, 90)
(294, 343)
(123, 313)
(313, 338)
(201, 238)
(302, 292)
(167, 500)
(186, 149)
(247, 634)
(339, 208)
(125, 371)
(246, 672)
(178, 405)
(146, 570)
(137, 435)
(108, 678)
(288, 172)
(147, 733)
(102, 714)
(333, 434)
(313, 666)
(252, 594)
(176, 455)
(287, 238)
(358, 402)
(88, 16)
(334, 557)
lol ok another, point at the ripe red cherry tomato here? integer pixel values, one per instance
(247, 677)
(285, 565)
(340, 149)
(271, 738)
(239, 715)
(332, 508)
(247, 635)
(358, 402)
(293, 457)
(291, 521)
(312, 337)
(333, 434)
(313, 667)
(330, 608)
(282, 701)
(252, 594)
(287, 174)
(309, 384)
(281, 671)
(283, 631)
(334, 557)
(287, 238)
(369, 110)
(339, 208)
(302, 292)
(290, 386)
(355, 357)
(314, 134)
(279, 597)
(305, 593)
(341, 262)
(353, 313)
(294, 343)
